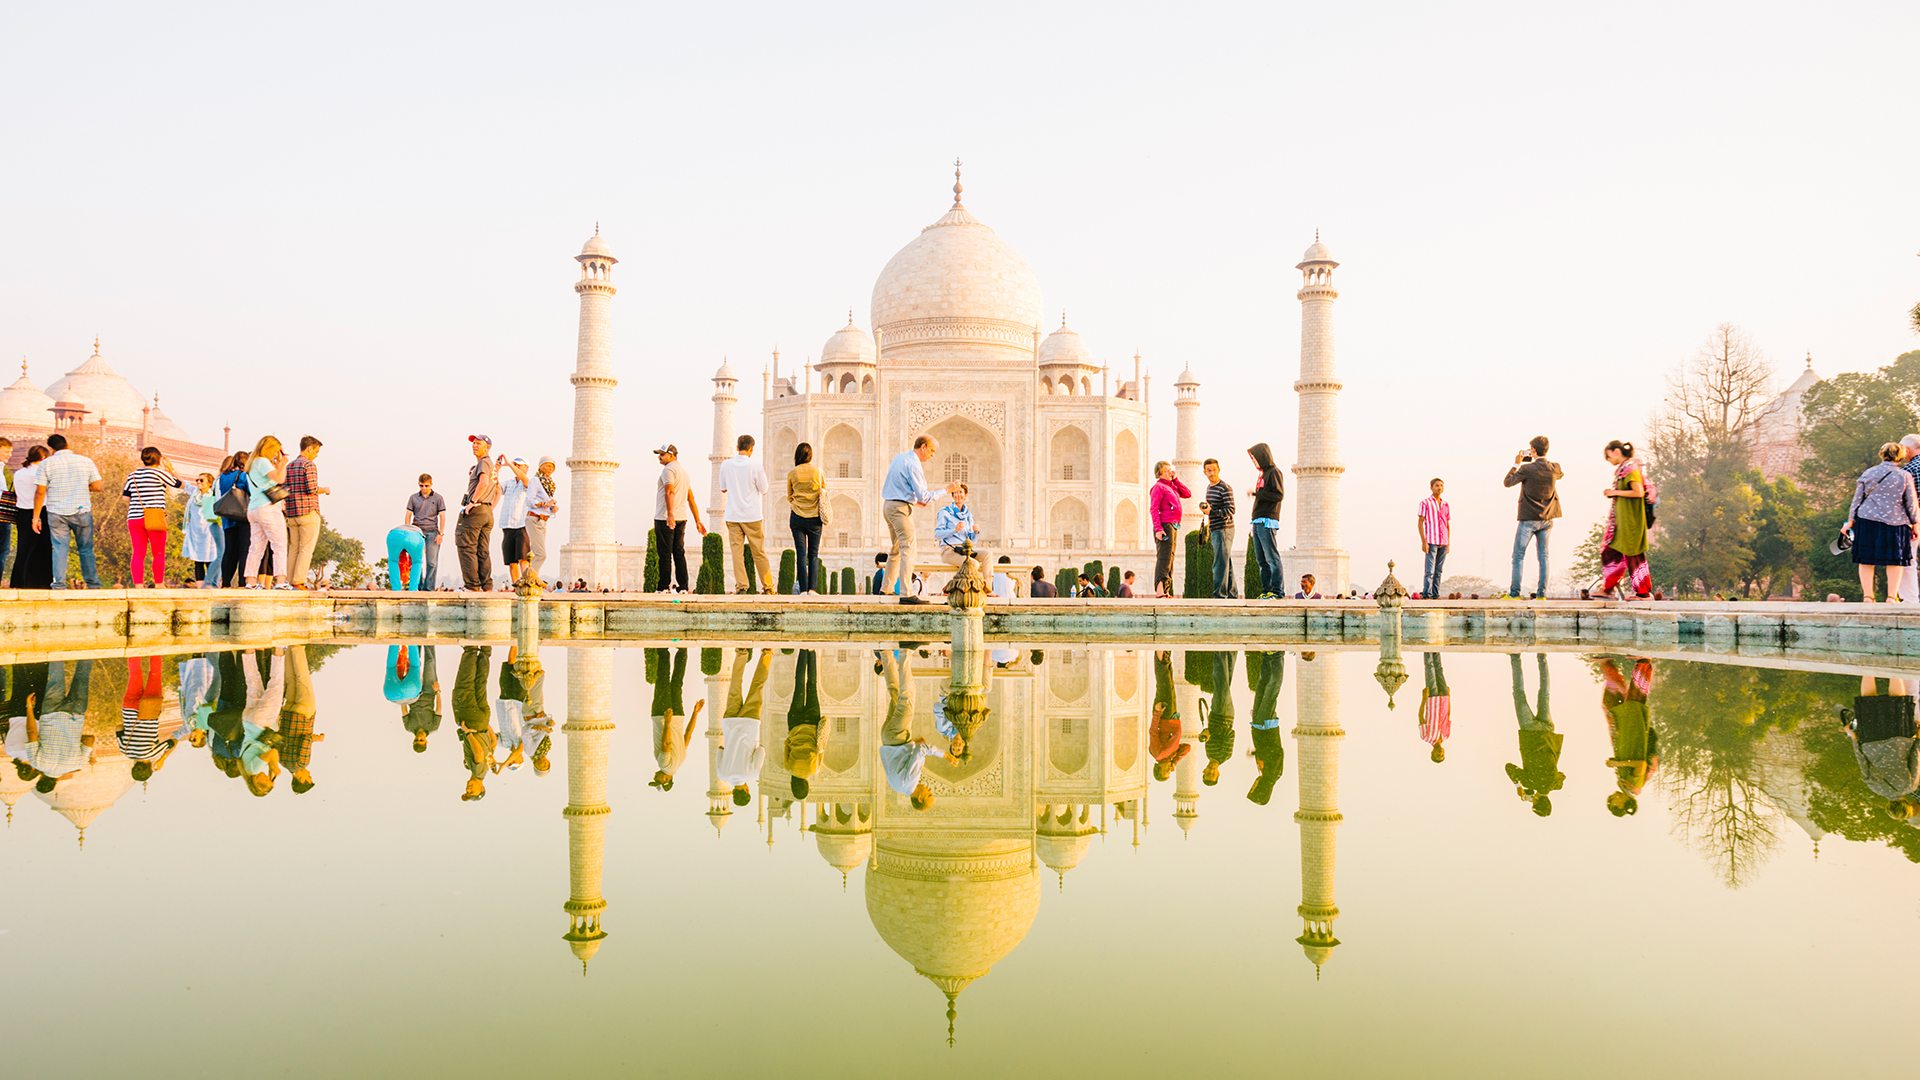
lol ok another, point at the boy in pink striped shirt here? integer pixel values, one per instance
(1436, 534)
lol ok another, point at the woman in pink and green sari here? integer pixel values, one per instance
(1623, 549)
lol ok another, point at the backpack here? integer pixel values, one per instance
(1653, 497)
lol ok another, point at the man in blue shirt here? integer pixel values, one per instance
(905, 488)
(953, 526)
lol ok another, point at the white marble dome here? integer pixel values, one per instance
(957, 268)
(1317, 253)
(24, 403)
(596, 248)
(848, 345)
(104, 392)
(1064, 346)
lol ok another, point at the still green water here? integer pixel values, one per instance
(1135, 864)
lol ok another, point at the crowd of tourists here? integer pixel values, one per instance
(520, 497)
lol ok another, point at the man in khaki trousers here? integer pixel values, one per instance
(743, 484)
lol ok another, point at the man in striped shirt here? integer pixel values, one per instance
(1219, 511)
(1436, 709)
(1436, 534)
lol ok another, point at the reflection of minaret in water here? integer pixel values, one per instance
(1186, 772)
(1317, 734)
(719, 795)
(588, 727)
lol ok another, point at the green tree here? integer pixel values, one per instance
(788, 564)
(847, 581)
(1096, 571)
(709, 661)
(1065, 579)
(1586, 557)
(1252, 582)
(1199, 583)
(339, 560)
(1783, 538)
(1198, 668)
(1846, 419)
(652, 570)
(820, 577)
(1113, 580)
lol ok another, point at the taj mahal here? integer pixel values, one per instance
(1051, 441)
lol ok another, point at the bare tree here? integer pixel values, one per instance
(1723, 389)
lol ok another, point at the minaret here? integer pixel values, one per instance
(723, 401)
(1186, 427)
(1186, 772)
(1316, 737)
(1316, 495)
(590, 552)
(588, 728)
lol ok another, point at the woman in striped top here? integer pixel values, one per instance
(146, 491)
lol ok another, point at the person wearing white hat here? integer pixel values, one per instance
(515, 498)
(539, 511)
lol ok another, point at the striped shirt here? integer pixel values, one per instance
(66, 475)
(146, 489)
(1436, 717)
(139, 739)
(1436, 521)
(1220, 505)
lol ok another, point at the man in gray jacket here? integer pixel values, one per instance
(1539, 505)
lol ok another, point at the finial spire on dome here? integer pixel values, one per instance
(23, 363)
(1316, 234)
(953, 1014)
(957, 189)
(1063, 318)
(96, 344)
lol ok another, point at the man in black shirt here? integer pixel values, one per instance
(1041, 587)
(1539, 505)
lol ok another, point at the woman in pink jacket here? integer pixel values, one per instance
(1163, 507)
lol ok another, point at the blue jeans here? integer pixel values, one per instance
(806, 550)
(1436, 566)
(64, 530)
(430, 560)
(1536, 531)
(1266, 552)
(6, 535)
(1223, 584)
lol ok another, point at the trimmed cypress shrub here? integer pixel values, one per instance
(787, 570)
(1251, 584)
(712, 578)
(846, 580)
(1096, 571)
(1199, 569)
(709, 659)
(820, 575)
(1199, 669)
(1113, 581)
(653, 561)
(1065, 580)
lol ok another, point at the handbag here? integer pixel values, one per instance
(233, 505)
(278, 493)
(155, 518)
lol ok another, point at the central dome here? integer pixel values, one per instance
(104, 391)
(957, 280)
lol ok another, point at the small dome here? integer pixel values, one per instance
(1064, 346)
(844, 851)
(596, 248)
(1063, 853)
(82, 798)
(24, 403)
(725, 372)
(104, 392)
(848, 345)
(161, 426)
(1318, 253)
(1187, 377)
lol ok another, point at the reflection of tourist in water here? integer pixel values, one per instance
(226, 724)
(477, 739)
(421, 714)
(260, 724)
(1436, 708)
(740, 750)
(902, 757)
(1217, 733)
(139, 735)
(1538, 775)
(1884, 744)
(1636, 746)
(520, 714)
(1163, 734)
(1269, 753)
(670, 740)
(804, 742)
(296, 721)
(26, 689)
(199, 686)
(57, 745)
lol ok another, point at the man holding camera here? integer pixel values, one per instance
(1539, 505)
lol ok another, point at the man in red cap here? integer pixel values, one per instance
(473, 536)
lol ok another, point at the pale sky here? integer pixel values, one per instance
(358, 221)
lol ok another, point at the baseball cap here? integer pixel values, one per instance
(667, 448)
(516, 461)
(488, 439)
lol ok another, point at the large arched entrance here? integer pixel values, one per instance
(970, 453)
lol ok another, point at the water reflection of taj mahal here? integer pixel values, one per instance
(1060, 756)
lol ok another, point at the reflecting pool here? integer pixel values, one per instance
(835, 859)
